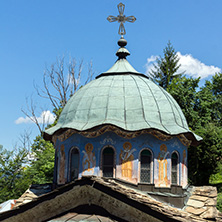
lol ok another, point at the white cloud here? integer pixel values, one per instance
(152, 59)
(45, 117)
(150, 63)
(190, 65)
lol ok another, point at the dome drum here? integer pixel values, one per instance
(126, 159)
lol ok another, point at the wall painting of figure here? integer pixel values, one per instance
(89, 160)
(126, 160)
(163, 179)
(184, 169)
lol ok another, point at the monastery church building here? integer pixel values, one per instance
(121, 146)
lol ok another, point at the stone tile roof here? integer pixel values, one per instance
(203, 202)
(33, 192)
(208, 205)
(117, 199)
(81, 217)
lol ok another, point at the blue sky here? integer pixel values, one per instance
(34, 33)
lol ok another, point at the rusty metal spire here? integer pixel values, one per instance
(121, 19)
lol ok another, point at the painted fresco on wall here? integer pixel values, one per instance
(126, 160)
(163, 177)
(89, 160)
(184, 169)
(127, 153)
(62, 159)
(108, 140)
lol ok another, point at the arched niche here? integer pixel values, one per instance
(74, 164)
(108, 161)
(146, 166)
(175, 168)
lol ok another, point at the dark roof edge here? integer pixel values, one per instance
(190, 136)
(121, 73)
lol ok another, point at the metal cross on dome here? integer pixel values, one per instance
(121, 19)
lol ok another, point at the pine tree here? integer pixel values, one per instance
(165, 69)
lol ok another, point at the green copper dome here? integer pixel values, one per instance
(125, 98)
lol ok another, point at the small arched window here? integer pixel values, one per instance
(74, 164)
(174, 168)
(145, 166)
(108, 162)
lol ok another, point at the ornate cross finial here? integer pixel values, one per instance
(121, 19)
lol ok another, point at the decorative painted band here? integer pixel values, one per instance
(97, 131)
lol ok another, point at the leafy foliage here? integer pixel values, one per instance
(204, 159)
(219, 201)
(216, 89)
(202, 109)
(41, 168)
(217, 178)
(12, 167)
(17, 172)
(184, 92)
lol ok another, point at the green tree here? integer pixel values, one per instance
(217, 84)
(18, 171)
(216, 89)
(184, 92)
(165, 69)
(41, 167)
(201, 107)
(12, 167)
(204, 160)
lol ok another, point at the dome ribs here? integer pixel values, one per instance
(100, 83)
(170, 98)
(144, 116)
(131, 102)
(107, 103)
(157, 105)
(124, 102)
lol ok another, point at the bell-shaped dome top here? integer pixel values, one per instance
(125, 98)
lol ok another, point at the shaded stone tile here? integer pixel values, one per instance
(195, 203)
(211, 212)
(195, 211)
